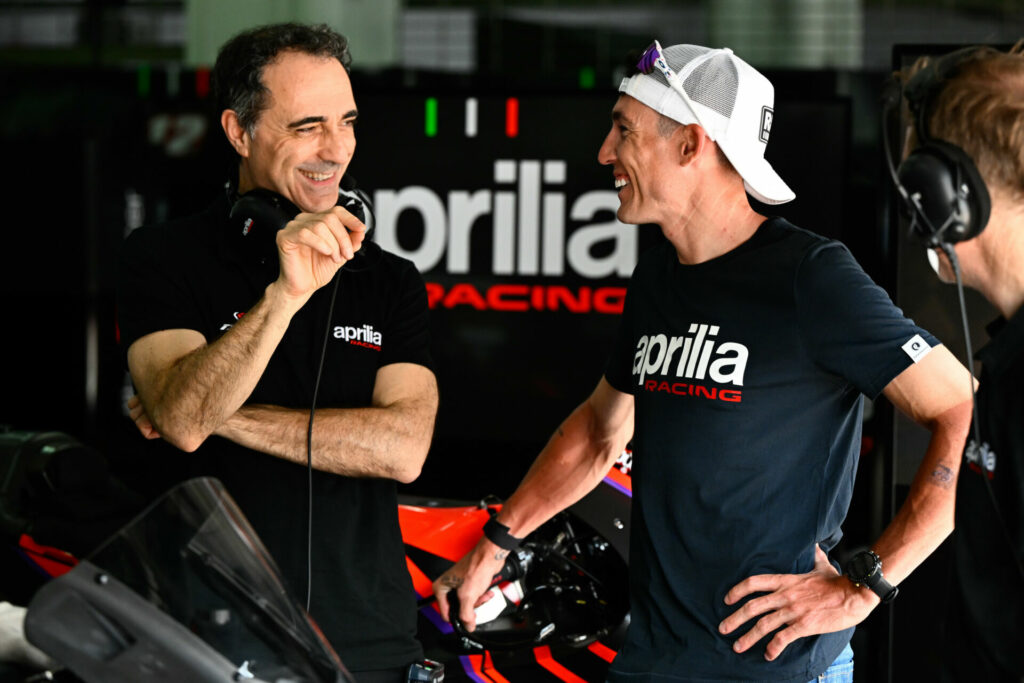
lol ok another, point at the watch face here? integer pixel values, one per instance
(862, 565)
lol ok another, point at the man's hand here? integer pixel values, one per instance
(821, 601)
(471, 578)
(573, 462)
(314, 246)
(138, 415)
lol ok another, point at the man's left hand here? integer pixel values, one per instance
(821, 601)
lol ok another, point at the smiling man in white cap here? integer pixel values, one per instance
(743, 351)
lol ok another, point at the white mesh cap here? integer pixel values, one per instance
(732, 102)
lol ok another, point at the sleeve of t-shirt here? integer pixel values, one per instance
(407, 333)
(850, 325)
(151, 294)
(619, 369)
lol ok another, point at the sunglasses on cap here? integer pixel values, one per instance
(653, 59)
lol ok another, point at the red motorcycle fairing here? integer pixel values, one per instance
(571, 575)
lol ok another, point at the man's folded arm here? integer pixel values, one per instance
(189, 388)
(387, 439)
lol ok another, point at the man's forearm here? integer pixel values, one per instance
(199, 391)
(388, 442)
(573, 462)
(926, 517)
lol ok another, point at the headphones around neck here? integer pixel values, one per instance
(941, 190)
(258, 215)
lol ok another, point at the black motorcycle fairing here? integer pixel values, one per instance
(184, 590)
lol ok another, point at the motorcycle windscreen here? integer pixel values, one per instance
(186, 584)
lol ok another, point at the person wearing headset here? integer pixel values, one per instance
(254, 324)
(965, 168)
(743, 351)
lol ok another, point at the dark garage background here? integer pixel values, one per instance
(105, 124)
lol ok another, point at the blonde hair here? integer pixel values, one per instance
(979, 106)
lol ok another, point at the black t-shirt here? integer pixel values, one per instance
(191, 274)
(747, 372)
(989, 586)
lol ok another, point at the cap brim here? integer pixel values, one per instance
(761, 180)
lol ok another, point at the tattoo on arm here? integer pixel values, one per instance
(560, 432)
(452, 581)
(942, 477)
(501, 554)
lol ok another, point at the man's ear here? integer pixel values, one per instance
(237, 135)
(693, 143)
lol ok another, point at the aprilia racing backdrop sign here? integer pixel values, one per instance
(504, 208)
(526, 216)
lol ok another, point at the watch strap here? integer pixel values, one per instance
(881, 587)
(498, 534)
(874, 579)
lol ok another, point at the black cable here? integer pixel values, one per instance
(950, 253)
(368, 261)
(309, 445)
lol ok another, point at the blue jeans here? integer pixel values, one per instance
(841, 670)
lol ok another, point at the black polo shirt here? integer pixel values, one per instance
(989, 619)
(193, 274)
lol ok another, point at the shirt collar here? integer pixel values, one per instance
(1006, 341)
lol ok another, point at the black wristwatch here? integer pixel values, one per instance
(498, 534)
(865, 568)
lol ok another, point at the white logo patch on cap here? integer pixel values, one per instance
(767, 114)
(917, 348)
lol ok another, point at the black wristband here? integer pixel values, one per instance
(498, 534)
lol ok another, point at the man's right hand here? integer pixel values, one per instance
(312, 248)
(573, 462)
(137, 413)
(471, 578)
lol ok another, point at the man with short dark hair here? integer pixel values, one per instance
(968, 127)
(744, 348)
(232, 327)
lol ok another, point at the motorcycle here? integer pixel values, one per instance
(186, 590)
(562, 605)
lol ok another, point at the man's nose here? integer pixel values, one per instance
(338, 145)
(606, 153)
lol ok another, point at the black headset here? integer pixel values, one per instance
(943, 194)
(258, 215)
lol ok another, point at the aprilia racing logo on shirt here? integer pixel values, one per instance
(624, 463)
(661, 361)
(237, 315)
(981, 460)
(364, 336)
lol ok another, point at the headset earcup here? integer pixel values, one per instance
(976, 195)
(936, 174)
(929, 185)
(256, 217)
(357, 203)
